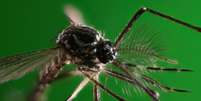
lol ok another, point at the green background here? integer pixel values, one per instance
(27, 25)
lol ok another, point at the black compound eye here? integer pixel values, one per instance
(105, 52)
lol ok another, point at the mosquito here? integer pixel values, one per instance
(87, 48)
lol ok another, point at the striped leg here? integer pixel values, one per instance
(103, 87)
(156, 83)
(96, 93)
(159, 69)
(154, 95)
(162, 87)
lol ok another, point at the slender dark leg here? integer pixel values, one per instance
(96, 93)
(154, 95)
(162, 87)
(118, 75)
(160, 68)
(146, 78)
(142, 11)
(66, 74)
(103, 87)
(168, 69)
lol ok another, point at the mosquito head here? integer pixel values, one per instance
(105, 51)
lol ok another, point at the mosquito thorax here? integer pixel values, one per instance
(87, 44)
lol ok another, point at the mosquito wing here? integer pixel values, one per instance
(74, 15)
(13, 67)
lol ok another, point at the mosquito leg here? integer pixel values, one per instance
(121, 76)
(154, 95)
(103, 87)
(146, 78)
(76, 73)
(140, 12)
(150, 80)
(160, 68)
(168, 69)
(96, 93)
(162, 87)
(118, 75)
(78, 89)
